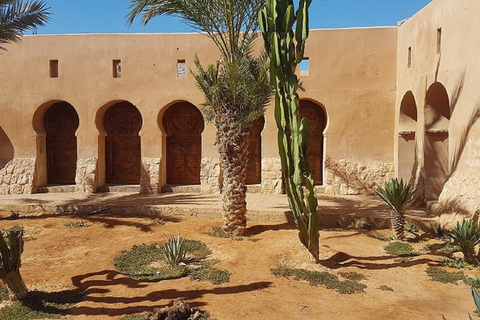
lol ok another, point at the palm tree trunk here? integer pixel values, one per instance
(16, 285)
(398, 224)
(233, 148)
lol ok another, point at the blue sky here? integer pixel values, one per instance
(108, 16)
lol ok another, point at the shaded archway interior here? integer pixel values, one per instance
(254, 165)
(406, 140)
(123, 122)
(7, 151)
(437, 117)
(184, 124)
(318, 123)
(60, 122)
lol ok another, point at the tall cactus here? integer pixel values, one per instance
(10, 263)
(286, 48)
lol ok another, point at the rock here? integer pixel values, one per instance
(180, 310)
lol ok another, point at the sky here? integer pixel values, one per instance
(108, 16)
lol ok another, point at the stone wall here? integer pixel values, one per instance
(149, 181)
(344, 177)
(210, 175)
(461, 193)
(17, 176)
(271, 176)
(86, 175)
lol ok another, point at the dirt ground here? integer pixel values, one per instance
(58, 258)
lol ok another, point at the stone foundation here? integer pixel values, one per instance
(210, 177)
(149, 181)
(17, 176)
(86, 175)
(344, 177)
(461, 194)
(271, 176)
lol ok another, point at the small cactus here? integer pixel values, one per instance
(286, 48)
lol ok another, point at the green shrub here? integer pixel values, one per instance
(400, 249)
(443, 276)
(316, 278)
(213, 275)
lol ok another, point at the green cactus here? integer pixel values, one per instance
(286, 48)
(10, 263)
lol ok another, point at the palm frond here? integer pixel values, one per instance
(16, 16)
(396, 194)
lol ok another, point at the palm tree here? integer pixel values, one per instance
(236, 88)
(16, 16)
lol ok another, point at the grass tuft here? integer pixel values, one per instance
(400, 249)
(77, 224)
(354, 276)
(220, 233)
(455, 263)
(385, 288)
(316, 278)
(215, 276)
(41, 305)
(381, 238)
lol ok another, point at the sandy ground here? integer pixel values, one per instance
(59, 258)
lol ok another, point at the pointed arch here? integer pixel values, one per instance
(254, 165)
(407, 125)
(437, 120)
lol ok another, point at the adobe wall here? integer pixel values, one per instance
(352, 76)
(444, 56)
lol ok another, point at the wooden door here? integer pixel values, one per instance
(184, 125)
(123, 122)
(318, 122)
(61, 122)
(254, 165)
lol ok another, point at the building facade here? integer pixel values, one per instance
(90, 113)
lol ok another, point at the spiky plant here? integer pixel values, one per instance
(467, 236)
(175, 250)
(476, 298)
(397, 195)
(16, 16)
(10, 263)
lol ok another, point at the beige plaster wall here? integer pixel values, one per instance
(456, 67)
(352, 75)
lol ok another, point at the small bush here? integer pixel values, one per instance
(385, 288)
(443, 276)
(400, 249)
(381, 238)
(455, 263)
(355, 276)
(41, 305)
(77, 224)
(148, 262)
(213, 275)
(316, 278)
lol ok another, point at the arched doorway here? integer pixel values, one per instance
(6, 149)
(184, 125)
(122, 124)
(318, 123)
(437, 118)
(254, 165)
(407, 125)
(60, 122)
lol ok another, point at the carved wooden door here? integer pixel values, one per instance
(254, 165)
(317, 118)
(61, 122)
(184, 125)
(123, 122)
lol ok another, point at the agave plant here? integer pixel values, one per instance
(10, 262)
(467, 236)
(397, 195)
(175, 250)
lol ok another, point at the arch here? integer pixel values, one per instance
(437, 118)
(122, 123)
(254, 164)
(315, 112)
(7, 152)
(407, 124)
(60, 123)
(183, 123)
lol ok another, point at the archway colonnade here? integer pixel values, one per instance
(430, 150)
(119, 159)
